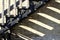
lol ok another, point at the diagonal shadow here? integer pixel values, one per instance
(55, 4)
(50, 12)
(24, 32)
(19, 36)
(37, 27)
(15, 37)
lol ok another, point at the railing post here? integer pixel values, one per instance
(2, 12)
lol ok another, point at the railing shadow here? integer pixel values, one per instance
(38, 28)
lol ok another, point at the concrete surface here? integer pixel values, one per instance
(44, 24)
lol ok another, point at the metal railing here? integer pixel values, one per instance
(8, 8)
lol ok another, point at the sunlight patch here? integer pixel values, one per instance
(41, 24)
(58, 1)
(24, 37)
(49, 17)
(32, 30)
(0, 28)
(54, 9)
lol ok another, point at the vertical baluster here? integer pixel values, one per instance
(8, 8)
(26, 4)
(2, 12)
(20, 4)
(15, 9)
